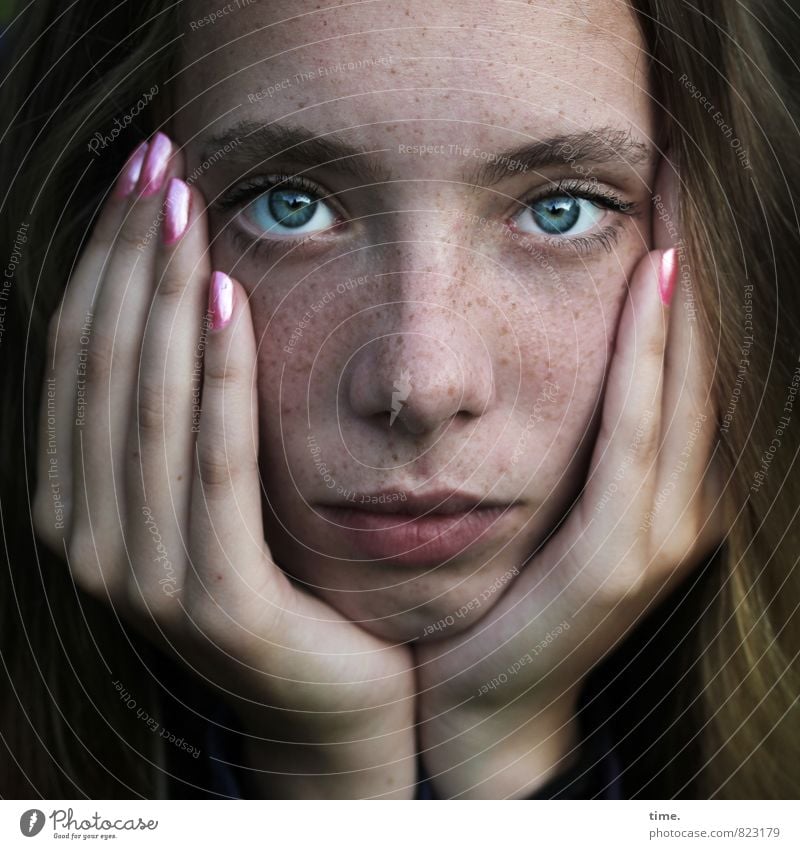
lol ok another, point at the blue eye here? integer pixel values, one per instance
(289, 211)
(559, 215)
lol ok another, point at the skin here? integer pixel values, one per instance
(271, 602)
(496, 324)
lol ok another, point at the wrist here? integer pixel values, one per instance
(491, 751)
(332, 759)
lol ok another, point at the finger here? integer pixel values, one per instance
(98, 555)
(689, 482)
(230, 567)
(622, 473)
(161, 440)
(64, 368)
(628, 437)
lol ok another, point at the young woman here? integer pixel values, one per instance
(400, 401)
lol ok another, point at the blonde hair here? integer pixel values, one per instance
(713, 671)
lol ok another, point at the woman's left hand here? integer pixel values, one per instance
(497, 702)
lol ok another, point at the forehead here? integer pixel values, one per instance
(436, 69)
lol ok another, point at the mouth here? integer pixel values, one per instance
(416, 530)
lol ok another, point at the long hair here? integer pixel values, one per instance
(705, 690)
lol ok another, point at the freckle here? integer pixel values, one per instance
(451, 391)
(180, 477)
(218, 577)
(395, 457)
(504, 330)
(503, 361)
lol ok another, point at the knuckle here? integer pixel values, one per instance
(99, 358)
(154, 408)
(171, 286)
(221, 373)
(645, 432)
(654, 350)
(133, 236)
(127, 240)
(215, 465)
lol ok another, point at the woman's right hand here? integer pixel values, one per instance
(157, 507)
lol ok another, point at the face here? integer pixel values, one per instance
(434, 213)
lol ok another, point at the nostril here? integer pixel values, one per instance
(417, 383)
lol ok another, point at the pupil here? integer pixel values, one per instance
(291, 208)
(556, 215)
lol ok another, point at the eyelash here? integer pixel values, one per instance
(241, 194)
(585, 190)
(248, 190)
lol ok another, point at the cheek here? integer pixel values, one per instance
(571, 319)
(307, 331)
(566, 343)
(548, 328)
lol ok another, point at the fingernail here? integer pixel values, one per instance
(220, 300)
(176, 211)
(129, 176)
(667, 275)
(155, 165)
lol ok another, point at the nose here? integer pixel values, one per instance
(426, 369)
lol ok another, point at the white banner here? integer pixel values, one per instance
(401, 825)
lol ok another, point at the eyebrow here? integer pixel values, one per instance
(249, 144)
(253, 144)
(600, 146)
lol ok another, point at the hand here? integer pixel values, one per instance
(159, 507)
(498, 702)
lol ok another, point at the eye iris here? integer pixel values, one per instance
(556, 214)
(291, 208)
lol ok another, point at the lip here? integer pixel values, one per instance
(421, 530)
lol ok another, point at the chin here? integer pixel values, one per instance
(431, 606)
(411, 628)
(421, 598)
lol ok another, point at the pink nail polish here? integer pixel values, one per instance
(220, 300)
(129, 175)
(176, 211)
(667, 275)
(155, 165)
